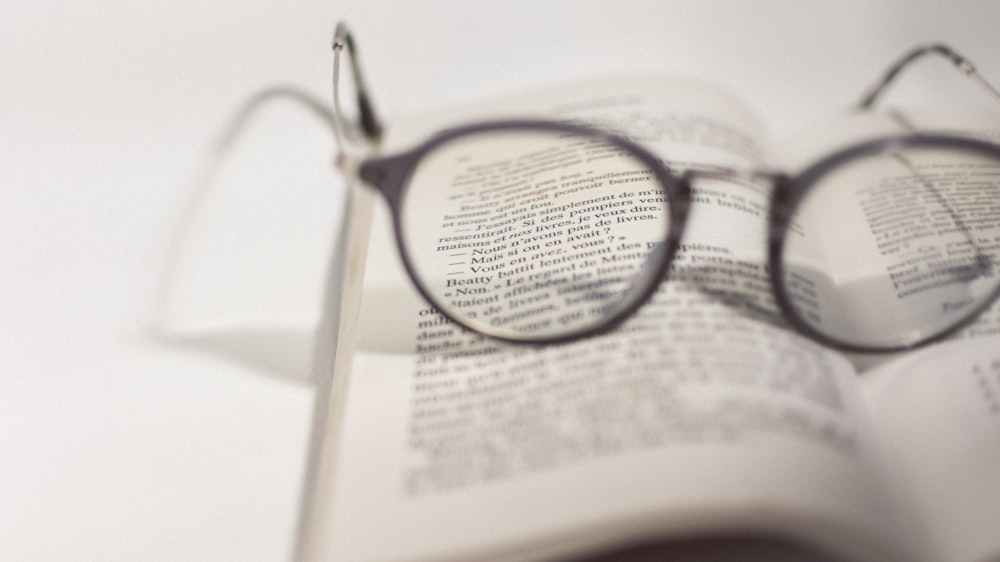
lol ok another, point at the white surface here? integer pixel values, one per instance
(118, 444)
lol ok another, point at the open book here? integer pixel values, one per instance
(701, 421)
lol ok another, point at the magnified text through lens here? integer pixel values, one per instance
(534, 233)
(897, 247)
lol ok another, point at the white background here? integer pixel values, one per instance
(157, 305)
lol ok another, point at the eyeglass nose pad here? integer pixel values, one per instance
(369, 123)
(372, 172)
(680, 206)
(388, 175)
(780, 210)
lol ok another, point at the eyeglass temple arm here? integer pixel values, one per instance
(959, 61)
(370, 127)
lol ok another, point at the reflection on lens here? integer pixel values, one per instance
(891, 249)
(534, 233)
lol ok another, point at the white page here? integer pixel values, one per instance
(937, 417)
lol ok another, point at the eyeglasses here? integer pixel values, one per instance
(544, 231)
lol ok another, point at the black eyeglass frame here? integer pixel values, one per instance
(389, 175)
(790, 191)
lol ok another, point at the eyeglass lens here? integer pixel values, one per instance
(538, 234)
(534, 233)
(890, 249)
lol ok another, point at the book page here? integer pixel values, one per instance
(937, 417)
(701, 414)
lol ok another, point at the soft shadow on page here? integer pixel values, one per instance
(716, 549)
(187, 312)
(297, 354)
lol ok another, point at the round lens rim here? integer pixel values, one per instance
(676, 189)
(791, 191)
